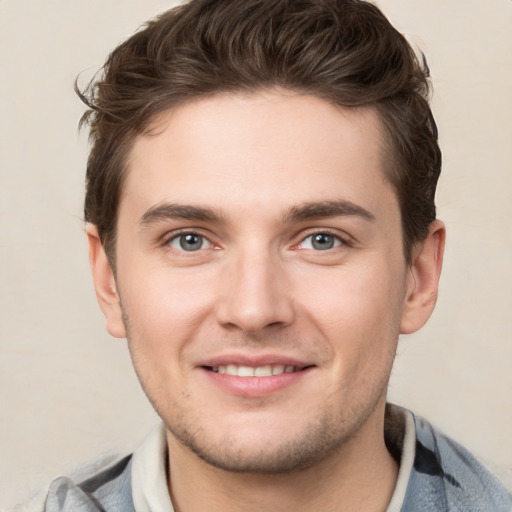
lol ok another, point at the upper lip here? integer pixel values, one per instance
(254, 361)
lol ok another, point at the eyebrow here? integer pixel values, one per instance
(169, 211)
(325, 209)
(302, 212)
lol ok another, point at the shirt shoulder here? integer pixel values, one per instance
(108, 488)
(446, 476)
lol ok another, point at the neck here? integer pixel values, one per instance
(360, 475)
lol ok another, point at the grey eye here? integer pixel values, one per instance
(189, 242)
(321, 242)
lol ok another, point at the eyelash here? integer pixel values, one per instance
(339, 241)
(175, 237)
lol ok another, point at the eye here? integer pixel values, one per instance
(321, 242)
(189, 242)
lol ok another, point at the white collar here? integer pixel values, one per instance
(406, 460)
(149, 474)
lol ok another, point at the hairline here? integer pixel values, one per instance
(390, 155)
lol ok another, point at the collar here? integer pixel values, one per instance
(149, 467)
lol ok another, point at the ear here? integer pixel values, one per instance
(105, 284)
(423, 279)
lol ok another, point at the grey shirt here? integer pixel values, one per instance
(436, 474)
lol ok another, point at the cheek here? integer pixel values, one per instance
(160, 297)
(356, 309)
(163, 313)
(162, 316)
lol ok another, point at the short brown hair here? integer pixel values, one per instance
(344, 51)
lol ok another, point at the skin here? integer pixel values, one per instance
(254, 179)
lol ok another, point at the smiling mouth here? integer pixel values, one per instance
(250, 371)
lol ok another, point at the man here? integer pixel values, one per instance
(261, 225)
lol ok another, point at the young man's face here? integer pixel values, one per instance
(261, 275)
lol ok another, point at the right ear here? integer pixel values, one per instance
(105, 284)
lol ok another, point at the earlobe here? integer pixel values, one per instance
(104, 284)
(423, 279)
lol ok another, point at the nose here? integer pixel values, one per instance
(256, 295)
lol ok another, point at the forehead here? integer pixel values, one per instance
(244, 151)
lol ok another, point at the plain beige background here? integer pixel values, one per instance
(67, 390)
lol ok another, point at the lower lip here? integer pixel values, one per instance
(255, 387)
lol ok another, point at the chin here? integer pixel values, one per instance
(266, 450)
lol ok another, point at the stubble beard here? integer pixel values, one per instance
(313, 444)
(319, 440)
(299, 454)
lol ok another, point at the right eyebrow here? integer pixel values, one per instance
(326, 209)
(169, 211)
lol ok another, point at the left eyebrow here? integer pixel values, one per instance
(325, 209)
(170, 211)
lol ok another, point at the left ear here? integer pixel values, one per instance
(423, 279)
(105, 284)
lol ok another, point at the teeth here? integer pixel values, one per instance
(245, 371)
(263, 371)
(278, 369)
(249, 371)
